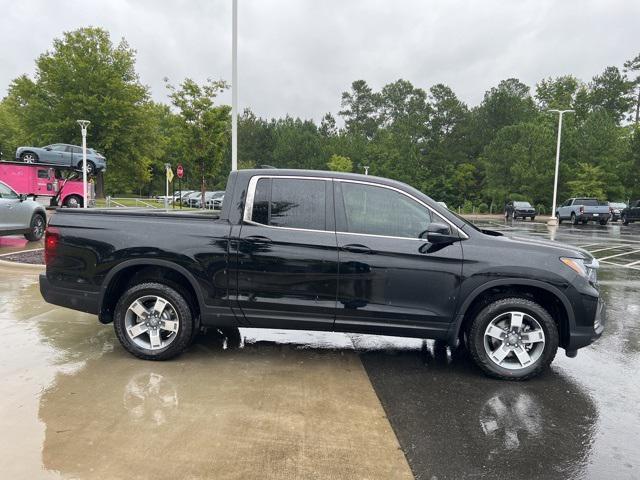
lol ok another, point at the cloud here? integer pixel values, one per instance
(297, 56)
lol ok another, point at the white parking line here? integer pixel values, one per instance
(633, 263)
(619, 265)
(619, 255)
(608, 248)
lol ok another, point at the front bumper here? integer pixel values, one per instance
(73, 298)
(582, 336)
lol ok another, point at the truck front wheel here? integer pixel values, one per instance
(513, 339)
(153, 321)
(73, 201)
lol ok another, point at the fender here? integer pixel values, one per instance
(462, 310)
(153, 262)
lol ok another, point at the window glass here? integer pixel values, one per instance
(6, 192)
(77, 150)
(380, 211)
(260, 212)
(297, 203)
(522, 204)
(43, 174)
(589, 202)
(58, 148)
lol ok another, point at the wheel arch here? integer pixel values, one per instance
(548, 296)
(130, 272)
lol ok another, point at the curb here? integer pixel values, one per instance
(26, 267)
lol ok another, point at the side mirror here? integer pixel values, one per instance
(22, 197)
(48, 149)
(439, 233)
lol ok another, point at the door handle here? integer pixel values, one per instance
(258, 239)
(357, 248)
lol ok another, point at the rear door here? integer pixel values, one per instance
(287, 259)
(392, 281)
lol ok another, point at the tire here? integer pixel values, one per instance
(37, 225)
(541, 353)
(604, 222)
(584, 222)
(28, 157)
(73, 201)
(91, 168)
(574, 219)
(176, 311)
(533, 218)
(559, 217)
(514, 216)
(624, 220)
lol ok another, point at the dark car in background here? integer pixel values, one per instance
(519, 209)
(64, 155)
(631, 213)
(615, 208)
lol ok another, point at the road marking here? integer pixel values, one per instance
(618, 255)
(632, 263)
(608, 248)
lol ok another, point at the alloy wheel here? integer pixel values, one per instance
(514, 340)
(151, 322)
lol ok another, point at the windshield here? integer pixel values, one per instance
(588, 202)
(617, 205)
(522, 204)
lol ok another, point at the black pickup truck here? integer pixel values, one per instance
(313, 250)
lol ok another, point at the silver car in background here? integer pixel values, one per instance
(20, 215)
(64, 155)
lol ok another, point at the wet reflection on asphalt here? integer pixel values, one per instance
(77, 404)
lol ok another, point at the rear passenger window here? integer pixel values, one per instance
(43, 174)
(290, 202)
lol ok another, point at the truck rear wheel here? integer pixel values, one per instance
(574, 219)
(153, 321)
(513, 339)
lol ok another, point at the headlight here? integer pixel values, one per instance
(585, 270)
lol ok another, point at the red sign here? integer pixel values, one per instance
(180, 171)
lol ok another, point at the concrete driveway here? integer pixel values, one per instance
(275, 404)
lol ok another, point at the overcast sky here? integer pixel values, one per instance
(297, 56)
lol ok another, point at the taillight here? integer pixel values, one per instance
(51, 239)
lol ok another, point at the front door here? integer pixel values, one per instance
(287, 260)
(391, 281)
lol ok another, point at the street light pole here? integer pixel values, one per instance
(83, 129)
(554, 220)
(234, 88)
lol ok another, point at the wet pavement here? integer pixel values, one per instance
(275, 404)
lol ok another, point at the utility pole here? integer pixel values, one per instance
(83, 129)
(554, 220)
(234, 88)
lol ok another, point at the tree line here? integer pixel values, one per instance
(483, 155)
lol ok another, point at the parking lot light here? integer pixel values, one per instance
(83, 129)
(554, 220)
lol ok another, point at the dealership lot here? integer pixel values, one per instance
(275, 404)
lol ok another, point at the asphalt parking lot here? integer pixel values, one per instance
(275, 404)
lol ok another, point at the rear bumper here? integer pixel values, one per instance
(68, 297)
(594, 216)
(580, 337)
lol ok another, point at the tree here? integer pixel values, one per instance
(338, 163)
(86, 76)
(360, 109)
(588, 181)
(559, 93)
(610, 91)
(633, 67)
(205, 126)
